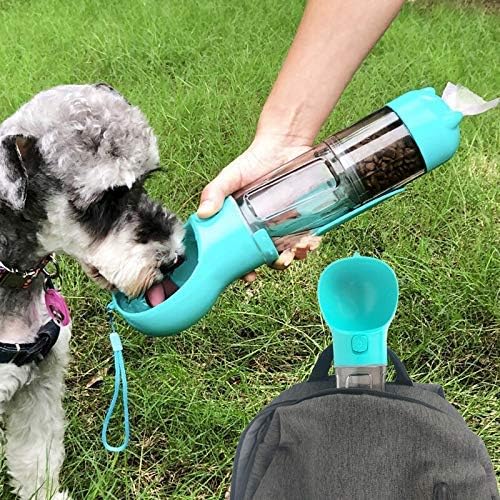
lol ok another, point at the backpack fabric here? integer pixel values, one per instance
(315, 441)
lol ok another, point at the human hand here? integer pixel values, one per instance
(266, 153)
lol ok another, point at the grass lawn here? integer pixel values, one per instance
(200, 70)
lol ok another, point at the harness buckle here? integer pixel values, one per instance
(56, 273)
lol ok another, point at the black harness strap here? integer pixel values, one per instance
(23, 354)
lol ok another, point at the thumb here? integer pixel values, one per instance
(214, 194)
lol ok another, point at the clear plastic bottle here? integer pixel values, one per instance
(347, 170)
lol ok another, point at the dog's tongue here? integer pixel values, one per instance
(160, 292)
(155, 295)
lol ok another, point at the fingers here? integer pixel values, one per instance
(299, 251)
(306, 245)
(210, 206)
(250, 277)
(212, 198)
(284, 260)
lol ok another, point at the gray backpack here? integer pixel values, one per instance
(315, 441)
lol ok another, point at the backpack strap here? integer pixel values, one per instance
(322, 365)
(402, 377)
(325, 360)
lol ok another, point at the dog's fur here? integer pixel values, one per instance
(73, 161)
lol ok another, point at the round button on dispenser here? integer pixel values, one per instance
(359, 343)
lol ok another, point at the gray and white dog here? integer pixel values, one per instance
(73, 161)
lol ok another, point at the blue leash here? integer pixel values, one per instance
(120, 380)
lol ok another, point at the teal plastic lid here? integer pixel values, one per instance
(433, 125)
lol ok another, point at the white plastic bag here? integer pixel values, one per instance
(462, 99)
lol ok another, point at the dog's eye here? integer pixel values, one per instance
(117, 192)
(100, 216)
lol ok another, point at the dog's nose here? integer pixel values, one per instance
(167, 267)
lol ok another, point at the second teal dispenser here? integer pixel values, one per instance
(358, 298)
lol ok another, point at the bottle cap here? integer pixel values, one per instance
(433, 121)
(433, 125)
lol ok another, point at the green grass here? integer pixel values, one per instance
(200, 70)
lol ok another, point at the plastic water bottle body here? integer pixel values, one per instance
(351, 168)
(299, 196)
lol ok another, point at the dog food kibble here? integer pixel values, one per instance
(379, 153)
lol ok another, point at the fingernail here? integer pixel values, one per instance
(250, 277)
(206, 208)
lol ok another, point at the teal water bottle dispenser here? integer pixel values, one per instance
(358, 298)
(340, 178)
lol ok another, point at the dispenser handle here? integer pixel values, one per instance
(357, 211)
(325, 360)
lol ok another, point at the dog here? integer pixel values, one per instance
(73, 161)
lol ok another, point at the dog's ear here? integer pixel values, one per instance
(107, 86)
(15, 151)
(104, 85)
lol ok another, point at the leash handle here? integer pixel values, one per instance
(120, 383)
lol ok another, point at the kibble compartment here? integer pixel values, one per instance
(380, 152)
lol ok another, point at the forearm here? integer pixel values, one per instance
(332, 40)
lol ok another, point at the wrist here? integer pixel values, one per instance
(286, 126)
(272, 148)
